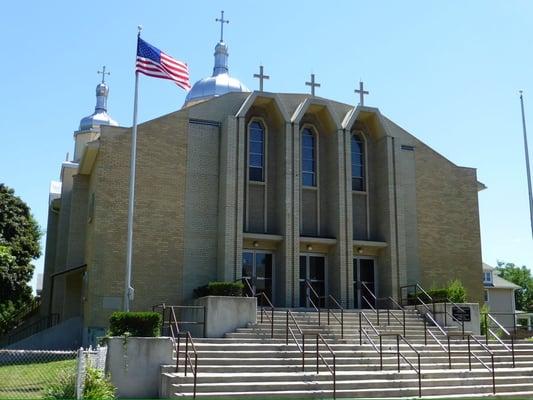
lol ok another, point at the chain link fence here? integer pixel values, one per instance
(27, 374)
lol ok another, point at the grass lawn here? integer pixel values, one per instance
(27, 381)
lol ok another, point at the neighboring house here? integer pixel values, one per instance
(499, 296)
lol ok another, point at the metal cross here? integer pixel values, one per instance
(103, 73)
(312, 84)
(362, 93)
(222, 22)
(261, 77)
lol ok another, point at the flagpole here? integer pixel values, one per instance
(128, 289)
(528, 170)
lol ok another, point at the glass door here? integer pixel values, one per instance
(257, 269)
(313, 270)
(364, 272)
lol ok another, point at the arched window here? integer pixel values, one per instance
(358, 163)
(256, 152)
(308, 158)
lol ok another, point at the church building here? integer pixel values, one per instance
(276, 187)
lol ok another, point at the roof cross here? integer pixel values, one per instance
(103, 73)
(222, 22)
(261, 77)
(362, 93)
(312, 84)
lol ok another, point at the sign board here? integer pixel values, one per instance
(461, 313)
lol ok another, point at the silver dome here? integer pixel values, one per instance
(219, 83)
(100, 115)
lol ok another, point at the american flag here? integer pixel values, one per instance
(153, 62)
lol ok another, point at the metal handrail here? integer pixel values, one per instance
(341, 321)
(505, 331)
(187, 362)
(288, 330)
(333, 370)
(491, 369)
(249, 286)
(308, 296)
(163, 307)
(419, 370)
(372, 307)
(262, 296)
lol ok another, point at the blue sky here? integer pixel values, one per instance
(449, 72)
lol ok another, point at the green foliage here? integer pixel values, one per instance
(235, 289)
(19, 245)
(63, 387)
(97, 386)
(456, 291)
(483, 320)
(140, 324)
(520, 276)
(438, 294)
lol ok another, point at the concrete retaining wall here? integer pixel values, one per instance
(225, 314)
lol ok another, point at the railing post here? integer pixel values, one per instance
(419, 377)
(186, 353)
(380, 352)
(328, 311)
(272, 325)
(303, 352)
(486, 328)
(334, 377)
(398, 350)
(388, 316)
(317, 353)
(178, 354)
(287, 329)
(449, 352)
(195, 374)
(469, 360)
(425, 330)
(404, 329)
(360, 334)
(512, 350)
(342, 323)
(204, 322)
(493, 375)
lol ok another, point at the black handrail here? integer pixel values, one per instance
(341, 321)
(288, 330)
(171, 322)
(308, 295)
(505, 331)
(372, 307)
(333, 370)
(491, 369)
(263, 296)
(419, 370)
(187, 361)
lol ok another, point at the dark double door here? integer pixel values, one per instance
(257, 269)
(312, 270)
(364, 275)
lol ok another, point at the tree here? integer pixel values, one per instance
(19, 246)
(520, 276)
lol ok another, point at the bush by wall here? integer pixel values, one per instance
(140, 324)
(235, 289)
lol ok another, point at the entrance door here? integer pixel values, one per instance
(364, 272)
(257, 268)
(312, 269)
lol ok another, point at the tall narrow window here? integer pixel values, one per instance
(358, 164)
(308, 158)
(256, 152)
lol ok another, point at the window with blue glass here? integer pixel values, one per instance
(256, 152)
(358, 163)
(308, 158)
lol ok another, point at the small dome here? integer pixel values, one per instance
(219, 83)
(100, 115)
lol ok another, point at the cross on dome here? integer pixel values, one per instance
(261, 77)
(222, 22)
(103, 73)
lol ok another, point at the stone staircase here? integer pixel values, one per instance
(248, 362)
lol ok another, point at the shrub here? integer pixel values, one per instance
(438, 294)
(63, 387)
(235, 289)
(456, 291)
(97, 386)
(143, 324)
